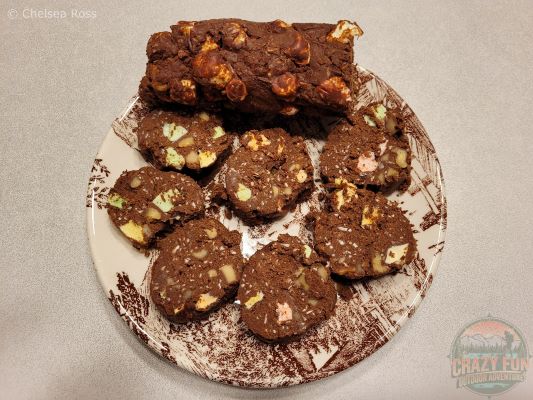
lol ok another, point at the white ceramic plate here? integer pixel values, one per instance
(220, 348)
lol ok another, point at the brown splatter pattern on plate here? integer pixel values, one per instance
(220, 348)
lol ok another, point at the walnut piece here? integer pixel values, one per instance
(211, 233)
(209, 67)
(236, 90)
(234, 35)
(299, 49)
(334, 91)
(243, 193)
(152, 213)
(186, 142)
(344, 32)
(135, 182)
(285, 85)
(229, 273)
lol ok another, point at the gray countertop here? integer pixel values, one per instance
(464, 68)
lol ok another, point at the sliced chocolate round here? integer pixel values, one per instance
(145, 201)
(268, 174)
(363, 234)
(285, 289)
(198, 269)
(176, 141)
(370, 150)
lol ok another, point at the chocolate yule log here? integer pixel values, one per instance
(256, 67)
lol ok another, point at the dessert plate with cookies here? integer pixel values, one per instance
(265, 212)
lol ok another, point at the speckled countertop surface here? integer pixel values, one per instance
(464, 68)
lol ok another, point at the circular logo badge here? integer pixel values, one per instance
(489, 356)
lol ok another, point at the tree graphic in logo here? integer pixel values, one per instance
(489, 356)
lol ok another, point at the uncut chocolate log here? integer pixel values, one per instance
(256, 67)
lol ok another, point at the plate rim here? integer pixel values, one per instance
(378, 344)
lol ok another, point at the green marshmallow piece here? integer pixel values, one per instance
(173, 132)
(116, 201)
(164, 200)
(174, 159)
(380, 112)
(219, 132)
(369, 121)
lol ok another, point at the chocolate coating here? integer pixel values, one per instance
(258, 67)
(268, 174)
(362, 234)
(144, 202)
(285, 290)
(368, 151)
(179, 141)
(198, 269)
